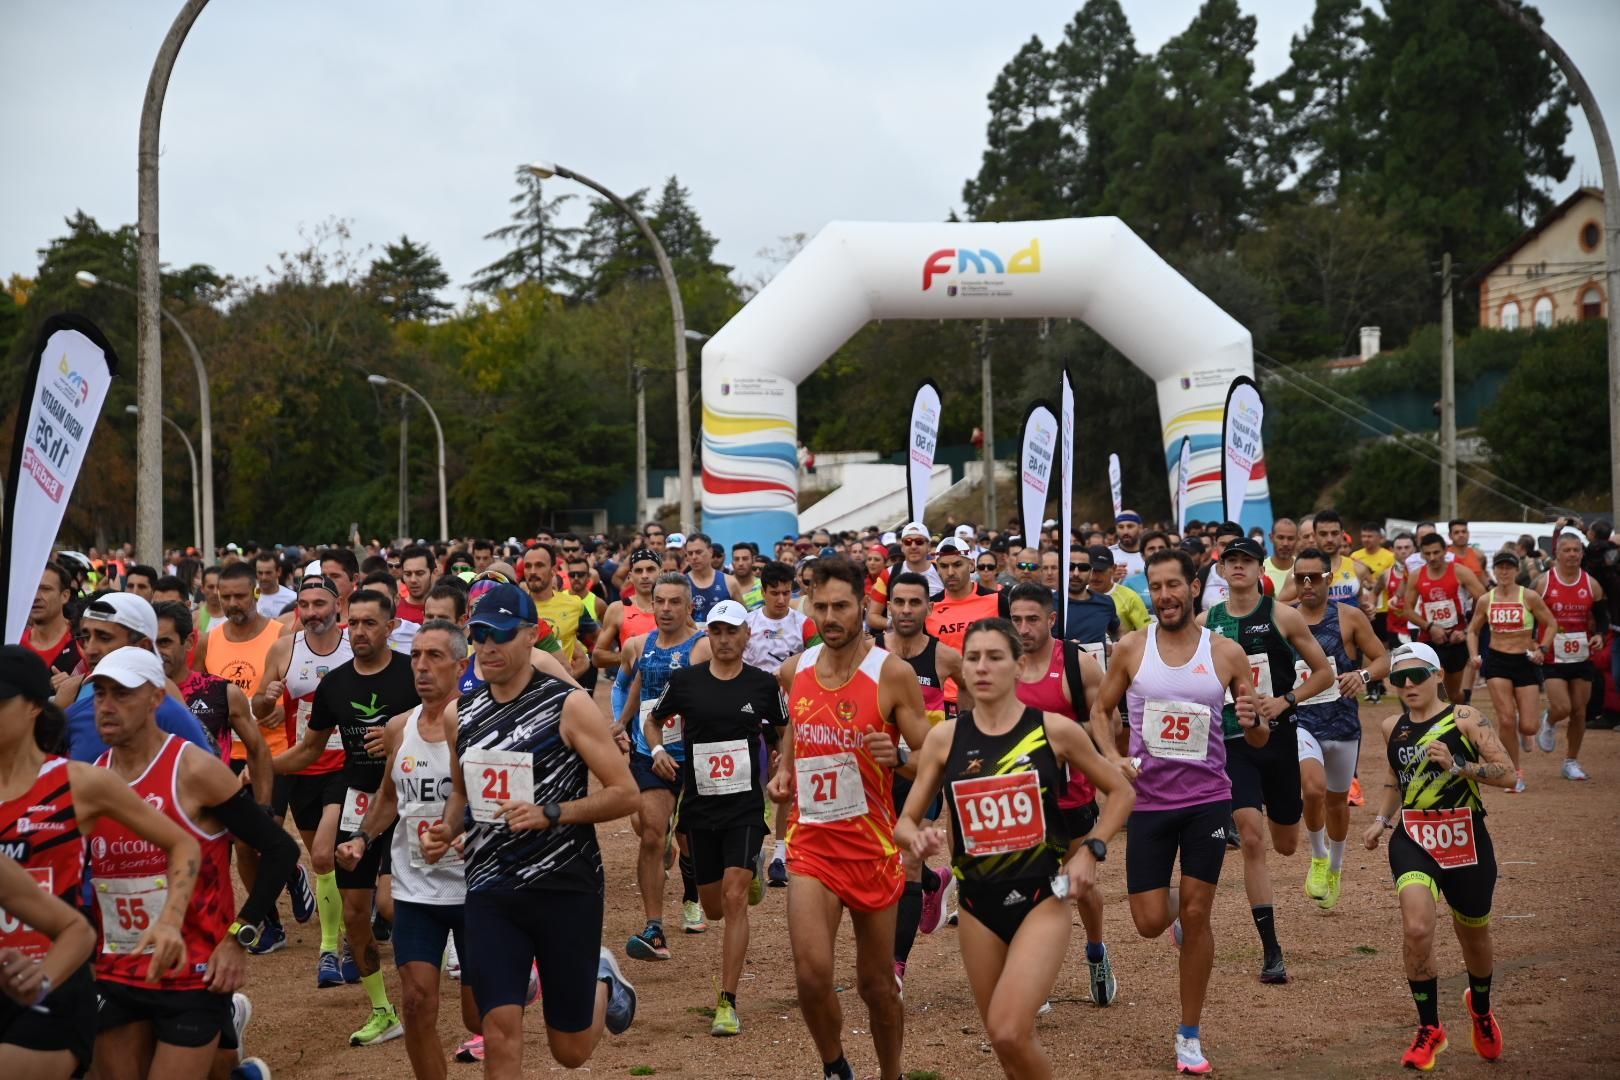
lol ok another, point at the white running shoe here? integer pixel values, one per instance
(1190, 1056)
(1046, 1007)
(241, 1013)
(1573, 770)
(452, 961)
(1545, 737)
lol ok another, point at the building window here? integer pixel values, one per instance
(1510, 315)
(1543, 311)
(1591, 303)
(1591, 236)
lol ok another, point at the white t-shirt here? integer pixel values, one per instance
(1132, 561)
(1215, 588)
(1415, 561)
(772, 641)
(273, 604)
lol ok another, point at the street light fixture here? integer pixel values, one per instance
(205, 413)
(444, 508)
(196, 497)
(545, 170)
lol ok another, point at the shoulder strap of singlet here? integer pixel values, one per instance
(807, 659)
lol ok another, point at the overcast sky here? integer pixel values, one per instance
(406, 116)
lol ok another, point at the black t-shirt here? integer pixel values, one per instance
(722, 720)
(354, 703)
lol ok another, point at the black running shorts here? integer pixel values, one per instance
(1267, 776)
(1196, 833)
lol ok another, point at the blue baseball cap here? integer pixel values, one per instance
(504, 607)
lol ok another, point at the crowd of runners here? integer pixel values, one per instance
(920, 730)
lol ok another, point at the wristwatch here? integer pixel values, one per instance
(1456, 767)
(45, 988)
(1291, 699)
(553, 812)
(246, 934)
(360, 835)
(1366, 677)
(1099, 850)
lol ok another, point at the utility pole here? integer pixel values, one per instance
(1448, 397)
(1611, 217)
(638, 374)
(148, 320)
(404, 469)
(987, 423)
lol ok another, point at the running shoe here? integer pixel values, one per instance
(1175, 933)
(778, 874)
(272, 938)
(1046, 1007)
(452, 959)
(1425, 1048)
(1190, 1056)
(1546, 737)
(1356, 798)
(1234, 839)
(1486, 1034)
(328, 971)
(351, 970)
(241, 1013)
(1527, 743)
(621, 1002)
(725, 1020)
(1275, 973)
(251, 1069)
(1104, 987)
(1519, 785)
(692, 920)
(533, 993)
(471, 1051)
(383, 1026)
(1573, 770)
(301, 895)
(1316, 878)
(934, 903)
(756, 887)
(1330, 890)
(648, 945)
(900, 977)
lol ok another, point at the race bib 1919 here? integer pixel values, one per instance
(999, 814)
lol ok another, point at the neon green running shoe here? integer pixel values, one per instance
(1330, 890)
(1316, 879)
(383, 1026)
(725, 1020)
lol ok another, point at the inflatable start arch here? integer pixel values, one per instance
(1093, 269)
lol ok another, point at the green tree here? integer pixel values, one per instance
(1318, 135)
(1029, 156)
(412, 276)
(541, 249)
(1093, 64)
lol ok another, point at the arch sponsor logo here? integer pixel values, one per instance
(979, 271)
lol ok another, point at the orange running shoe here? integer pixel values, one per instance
(1487, 1034)
(1356, 798)
(1425, 1048)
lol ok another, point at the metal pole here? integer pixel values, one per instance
(988, 423)
(1448, 397)
(1611, 219)
(149, 330)
(196, 487)
(438, 430)
(404, 486)
(642, 513)
(683, 392)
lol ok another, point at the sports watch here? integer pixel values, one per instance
(246, 934)
(1099, 850)
(553, 812)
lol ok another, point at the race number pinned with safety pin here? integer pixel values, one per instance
(129, 906)
(1176, 730)
(355, 805)
(722, 768)
(1571, 648)
(496, 776)
(830, 788)
(999, 814)
(1447, 835)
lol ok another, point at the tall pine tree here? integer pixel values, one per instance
(1029, 157)
(1317, 134)
(541, 249)
(410, 275)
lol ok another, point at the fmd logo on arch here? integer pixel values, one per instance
(982, 261)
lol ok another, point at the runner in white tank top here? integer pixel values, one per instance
(429, 898)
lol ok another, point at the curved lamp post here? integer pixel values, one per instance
(196, 510)
(444, 509)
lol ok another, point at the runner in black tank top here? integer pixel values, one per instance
(1001, 765)
(1438, 756)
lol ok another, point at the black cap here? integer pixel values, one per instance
(24, 674)
(1505, 557)
(1244, 546)
(1101, 558)
(1192, 545)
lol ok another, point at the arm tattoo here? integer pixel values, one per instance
(1490, 770)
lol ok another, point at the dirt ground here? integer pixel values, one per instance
(1347, 1013)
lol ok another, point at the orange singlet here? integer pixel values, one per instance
(841, 826)
(242, 662)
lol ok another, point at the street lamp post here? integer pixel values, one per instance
(444, 507)
(196, 497)
(683, 393)
(205, 413)
(149, 329)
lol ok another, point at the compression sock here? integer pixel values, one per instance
(375, 990)
(1335, 855)
(837, 1070)
(931, 881)
(1319, 842)
(1426, 993)
(905, 926)
(1479, 992)
(729, 998)
(1095, 952)
(1468, 697)
(329, 904)
(781, 852)
(1265, 921)
(689, 892)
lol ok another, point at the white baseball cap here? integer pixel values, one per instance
(914, 528)
(889, 538)
(966, 532)
(127, 610)
(1415, 650)
(729, 612)
(675, 541)
(954, 545)
(130, 667)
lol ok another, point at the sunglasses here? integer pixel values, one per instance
(460, 568)
(1029, 566)
(391, 566)
(1079, 568)
(481, 633)
(913, 541)
(986, 567)
(1308, 578)
(1410, 677)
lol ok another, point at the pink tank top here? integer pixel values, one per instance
(1046, 694)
